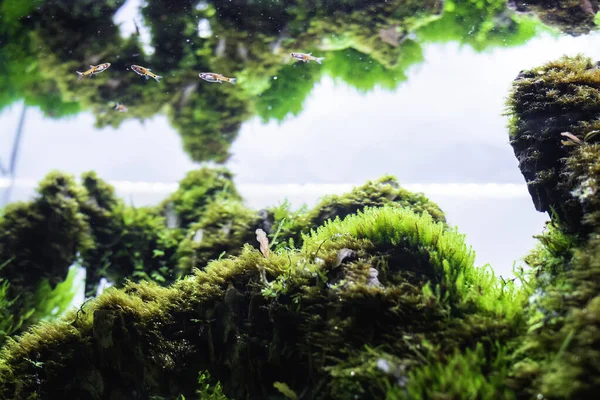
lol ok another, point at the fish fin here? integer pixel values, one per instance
(232, 80)
(310, 54)
(158, 78)
(91, 66)
(319, 59)
(146, 76)
(79, 75)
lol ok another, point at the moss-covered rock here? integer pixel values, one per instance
(583, 178)
(385, 279)
(39, 241)
(557, 357)
(196, 190)
(223, 230)
(379, 192)
(574, 17)
(225, 224)
(546, 101)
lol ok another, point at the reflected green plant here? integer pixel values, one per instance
(366, 45)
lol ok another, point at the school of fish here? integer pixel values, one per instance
(207, 76)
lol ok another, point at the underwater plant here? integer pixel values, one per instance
(382, 287)
(39, 242)
(558, 357)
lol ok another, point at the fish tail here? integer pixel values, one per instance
(79, 75)
(319, 59)
(158, 78)
(232, 80)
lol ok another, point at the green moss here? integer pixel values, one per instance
(355, 282)
(559, 357)
(129, 242)
(462, 375)
(583, 169)
(379, 192)
(39, 241)
(560, 96)
(44, 43)
(482, 25)
(573, 17)
(222, 231)
(196, 190)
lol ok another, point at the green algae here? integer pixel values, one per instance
(219, 320)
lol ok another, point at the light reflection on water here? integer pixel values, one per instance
(444, 125)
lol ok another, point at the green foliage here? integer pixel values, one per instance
(196, 190)
(223, 229)
(364, 73)
(481, 24)
(583, 167)
(365, 45)
(379, 192)
(208, 389)
(463, 375)
(287, 94)
(557, 357)
(358, 283)
(430, 248)
(39, 241)
(52, 302)
(560, 96)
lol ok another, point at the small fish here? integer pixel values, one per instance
(94, 69)
(212, 77)
(307, 57)
(146, 72)
(120, 108)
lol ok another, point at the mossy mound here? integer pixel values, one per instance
(379, 192)
(558, 356)
(226, 224)
(225, 227)
(196, 191)
(38, 245)
(574, 17)
(559, 96)
(377, 288)
(583, 178)
(86, 224)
